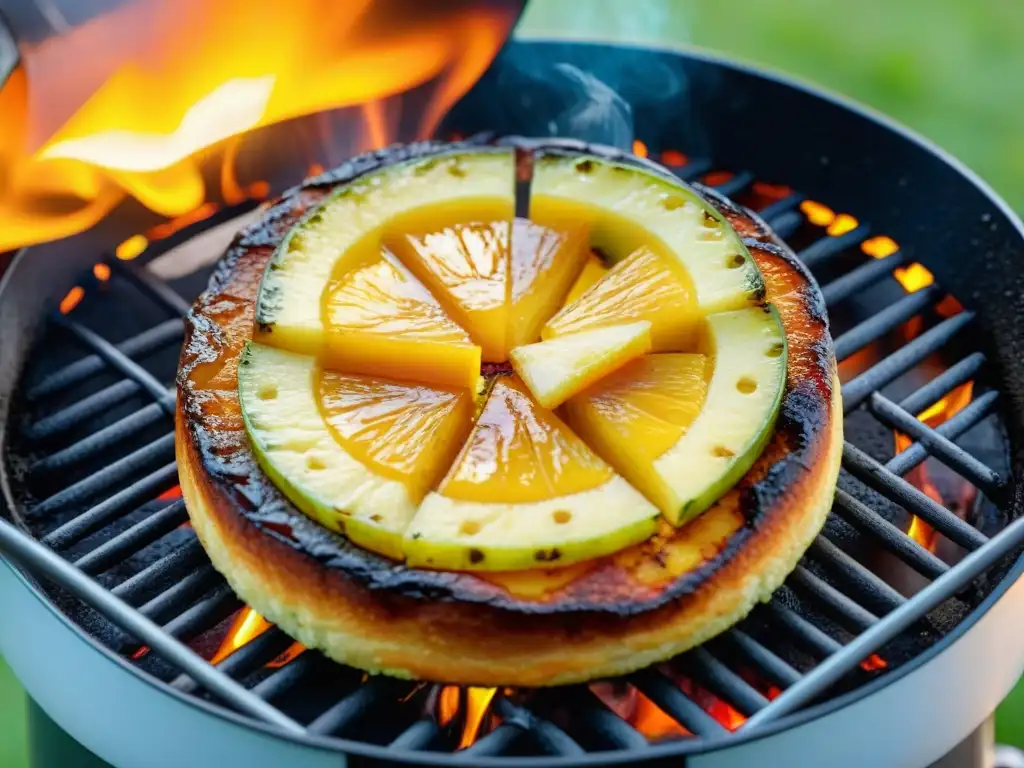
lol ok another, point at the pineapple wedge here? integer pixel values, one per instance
(525, 492)
(556, 370)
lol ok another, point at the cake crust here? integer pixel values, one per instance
(600, 618)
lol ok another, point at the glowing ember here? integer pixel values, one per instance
(873, 663)
(818, 214)
(472, 704)
(315, 169)
(639, 148)
(921, 475)
(879, 247)
(715, 178)
(674, 157)
(131, 248)
(101, 272)
(157, 84)
(72, 299)
(170, 494)
(842, 224)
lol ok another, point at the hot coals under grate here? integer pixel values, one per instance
(94, 448)
(897, 573)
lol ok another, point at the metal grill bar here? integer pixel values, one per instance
(114, 507)
(141, 534)
(716, 676)
(101, 440)
(944, 383)
(148, 341)
(833, 668)
(497, 742)
(186, 558)
(779, 671)
(420, 735)
(945, 450)
(812, 638)
(212, 609)
(891, 537)
(174, 600)
(370, 695)
(668, 697)
(50, 565)
(155, 287)
(860, 278)
(832, 600)
(119, 361)
(118, 471)
(282, 680)
(736, 184)
(881, 323)
(694, 168)
(859, 578)
(857, 390)
(613, 729)
(957, 424)
(827, 247)
(910, 498)
(83, 410)
(786, 205)
(786, 224)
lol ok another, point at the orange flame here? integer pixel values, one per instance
(156, 84)
(640, 712)
(639, 148)
(933, 416)
(477, 707)
(248, 625)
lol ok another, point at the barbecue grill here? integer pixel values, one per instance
(887, 646)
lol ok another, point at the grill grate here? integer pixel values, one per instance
(174, 598)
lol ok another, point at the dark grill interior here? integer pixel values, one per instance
(92, 461)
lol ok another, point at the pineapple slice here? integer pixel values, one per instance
(593, 270)
(682, 442)
(628, 207)
(501, 280)
(640, 287)
(353, 453)
(381, 321)
(525, 491)
(344, 231)
(636, 414)
(556, 370)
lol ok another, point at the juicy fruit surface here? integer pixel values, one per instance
(557, 369)
(466, 263)
(381, 321)
(279, 396)
(636, 414)
(627, 207)
(545, 262)
(640, 287)
(525, 490)
(406, 431)
(593, 270)
(419, 293)
(499, 279)
(288, 306)
(519, 452)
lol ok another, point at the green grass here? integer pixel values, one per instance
(953, 71)
(12, 720)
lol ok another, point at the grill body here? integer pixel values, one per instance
(759, 127)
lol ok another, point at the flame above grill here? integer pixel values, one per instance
(156, 85)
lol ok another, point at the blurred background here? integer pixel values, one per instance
(951, 69)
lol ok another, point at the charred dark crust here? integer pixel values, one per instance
(803, 421)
